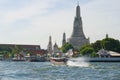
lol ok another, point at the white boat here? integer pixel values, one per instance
(96, 59)
(17, 59)
(105, 56)
(58, 60)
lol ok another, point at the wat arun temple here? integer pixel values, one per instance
(78, 38)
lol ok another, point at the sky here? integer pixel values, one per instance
(33, 21)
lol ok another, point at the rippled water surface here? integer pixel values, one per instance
(47, 71)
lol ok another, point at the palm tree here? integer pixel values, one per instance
(16, 51)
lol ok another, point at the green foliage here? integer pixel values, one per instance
(66, 47)
(108, 44)
(17, 49)
(5, 49)
(10, 51)
(93, 54)
(118, 49)
(111, 44)
(87, 50)
(97, 45)
(83, 47)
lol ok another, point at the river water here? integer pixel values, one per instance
(47, 71)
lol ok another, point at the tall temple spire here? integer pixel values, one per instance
(78, 11)
(78, 38)
(64, 39)
(77, 25)
(78, 2)
(49, 47)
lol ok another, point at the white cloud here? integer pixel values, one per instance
(34, 22)
(101, 17)
(41, 23)
(25, 12)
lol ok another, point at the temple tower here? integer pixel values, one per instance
(78, 38)
(64, 39)
(55, 48)
(49, 47)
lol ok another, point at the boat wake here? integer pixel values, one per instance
(77, 62)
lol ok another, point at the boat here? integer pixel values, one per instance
(58, 60)
(17, 59)
(102, 56)
(106, 56)
(95, 59)
(61, 58)
(103, 59)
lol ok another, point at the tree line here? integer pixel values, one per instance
(109, 44)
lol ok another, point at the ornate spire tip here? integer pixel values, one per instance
(78, 2)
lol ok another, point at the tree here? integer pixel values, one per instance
(97, 45)
(93, 54)
(16, 51)
(66, 47)
(87, 50)
(111, 44)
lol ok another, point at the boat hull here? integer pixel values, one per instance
(96, 59)
(18, 59)
(103, 59)
(59, 61)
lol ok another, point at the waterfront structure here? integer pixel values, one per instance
(37, 55)
(20, 51)
(64, 39)
(25, 47)
(78, 38)
(49, 47)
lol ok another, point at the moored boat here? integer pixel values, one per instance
(17, 59)
(97, 59)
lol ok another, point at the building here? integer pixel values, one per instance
(22, 50)
(39, 53)
(78, 38)
(25, 47)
